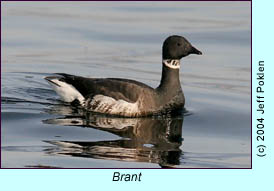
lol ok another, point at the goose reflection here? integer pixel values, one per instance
(153, 140)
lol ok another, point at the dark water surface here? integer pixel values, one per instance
(124, 39)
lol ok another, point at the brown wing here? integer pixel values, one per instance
(128, 90)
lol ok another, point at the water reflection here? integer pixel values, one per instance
(154, 140)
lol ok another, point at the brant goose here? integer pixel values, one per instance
(129, 98)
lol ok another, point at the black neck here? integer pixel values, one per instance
(170, 81)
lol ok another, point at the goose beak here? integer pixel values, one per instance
(195, 51)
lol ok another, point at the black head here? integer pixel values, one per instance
(177, 47)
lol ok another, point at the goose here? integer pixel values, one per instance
(130, 98)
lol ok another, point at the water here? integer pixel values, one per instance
(124, 39)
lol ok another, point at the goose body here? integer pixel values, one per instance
(129, 98)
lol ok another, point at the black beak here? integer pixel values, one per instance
(195, 51)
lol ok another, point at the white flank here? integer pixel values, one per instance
(114, 123)
(174, 64)
(109, 105)
(67, 92)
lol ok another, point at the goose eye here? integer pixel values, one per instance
(178, 44)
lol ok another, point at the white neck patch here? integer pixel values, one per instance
(174, 64)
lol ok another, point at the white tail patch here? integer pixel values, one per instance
(64, 144)
(67, 92)
(106, 104)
